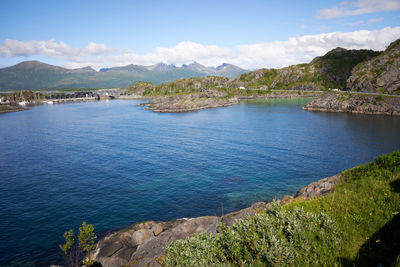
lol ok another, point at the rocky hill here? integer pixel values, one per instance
(325, 72)
(328, 71)
(380, 74)
(38, 75)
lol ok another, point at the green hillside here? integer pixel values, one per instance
(325, 72)
(328, 71)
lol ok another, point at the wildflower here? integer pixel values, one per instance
(378, 240)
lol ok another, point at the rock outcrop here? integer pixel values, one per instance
(143, 244)
(380, 74)
(191, 102)
(355, 103)
(319, 188)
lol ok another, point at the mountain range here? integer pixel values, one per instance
(351, 70)
(39, 75)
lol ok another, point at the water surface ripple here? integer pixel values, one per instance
(114, 163)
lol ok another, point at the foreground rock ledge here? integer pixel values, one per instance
(355, 103)
(143, 244)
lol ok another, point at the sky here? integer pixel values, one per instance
(251, 34)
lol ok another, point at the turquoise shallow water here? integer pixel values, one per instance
(113, 164)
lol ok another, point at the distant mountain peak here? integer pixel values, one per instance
(161, 67)
(35, 64)
(226, 65)
(83, 70)
(35, 74)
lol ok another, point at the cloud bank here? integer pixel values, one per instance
(298, 49)
(358, 8)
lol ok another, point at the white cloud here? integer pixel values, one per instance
(298, 49)
(359, 22)
(14, 48)
(358, 8)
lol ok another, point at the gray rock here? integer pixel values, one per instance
(142, 235)
(355, 103)
(157, 229)
(319, 188)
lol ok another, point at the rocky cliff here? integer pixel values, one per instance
(355, 103)
(380, 74)
(143, 244)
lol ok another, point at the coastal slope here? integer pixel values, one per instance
(144, 244)
(347, 219)
(328, 71)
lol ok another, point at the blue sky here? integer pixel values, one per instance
(250, 33)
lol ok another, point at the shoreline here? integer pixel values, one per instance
(10, 108)
(338, 102)
(143, 243)
(356, 103)
(211, 99)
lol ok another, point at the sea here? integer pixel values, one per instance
(114, 163)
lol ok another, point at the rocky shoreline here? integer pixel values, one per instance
(210, 99)
(356, 103)
(10, 108)
(190, 102)
(143, 244)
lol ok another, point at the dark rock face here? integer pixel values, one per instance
(143, 244)
(355, 103)
(380, 74)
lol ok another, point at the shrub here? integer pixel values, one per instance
(278, 237)
(74, 251)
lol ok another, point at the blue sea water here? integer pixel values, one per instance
(112, 163)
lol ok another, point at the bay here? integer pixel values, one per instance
(112, 163)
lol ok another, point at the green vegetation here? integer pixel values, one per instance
(277, 237)
(74, 251)
(357, 225)
(328, 71)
